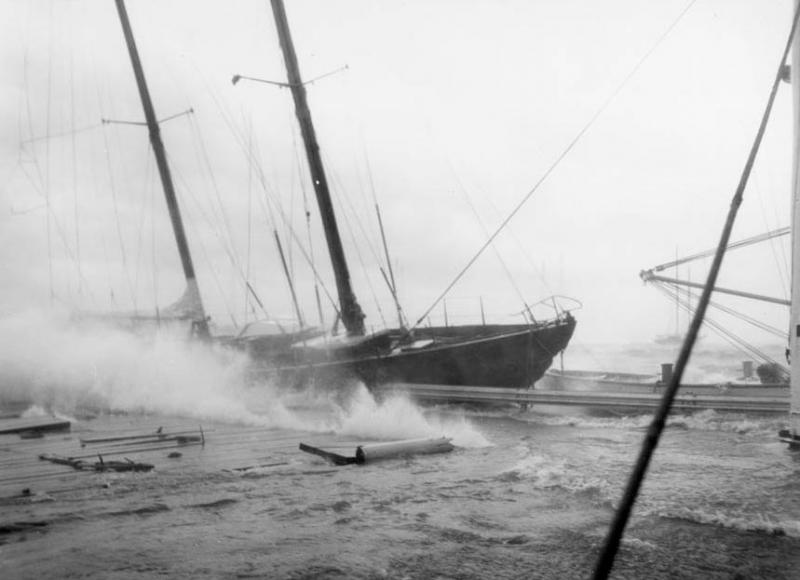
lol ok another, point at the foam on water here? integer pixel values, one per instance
(710, 420)
(746, 523)
(541, 470)
(545, 472)
(624, 422)
(706, 420)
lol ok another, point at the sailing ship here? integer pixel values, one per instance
(508, 355)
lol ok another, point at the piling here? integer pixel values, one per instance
(666, 373)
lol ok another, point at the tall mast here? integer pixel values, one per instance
(352, 315)
(191, 298)
(794, 317)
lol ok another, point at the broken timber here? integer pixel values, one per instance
(180, 437)
(378, 451)
(786, 436)
(101, 465)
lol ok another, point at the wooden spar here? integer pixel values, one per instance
(732, 246)
(648, 276)
(192, 289)
(334, 458)
(794, 316)
(352, 315)
(289, 280)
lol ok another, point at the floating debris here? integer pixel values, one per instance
(32, 425)
(101, 465)
(390, 450)
(31, 434)
(259, 466)
(180, 437)
(787, 436)
(17, 527)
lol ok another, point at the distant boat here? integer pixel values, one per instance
(639, 383)
(668, 339)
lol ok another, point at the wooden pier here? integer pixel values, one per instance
(86, 455)
(627, 401)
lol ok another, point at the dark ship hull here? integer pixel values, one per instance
(503, 356)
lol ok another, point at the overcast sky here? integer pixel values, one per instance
(454, 110)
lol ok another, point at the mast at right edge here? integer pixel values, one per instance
(352, 315)
(794, 316)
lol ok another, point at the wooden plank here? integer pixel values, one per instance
(334, 458)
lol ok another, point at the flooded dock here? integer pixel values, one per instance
(523, 493)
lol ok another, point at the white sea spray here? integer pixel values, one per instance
(62, 367)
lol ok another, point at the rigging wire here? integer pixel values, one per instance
(48, 217)
(75, 169)
(140, 228)
(390, 280)
(251, 156)
(781, 268)
(249, 250)
(227, 239)
(368, 238)
(226, 117)
(617, 528)
(520, 247)
(120, 239)
(154, 261)
(203, 153)
(71, 133)
(738, 342)
(496, 250)
(589, 124)
(226, 248)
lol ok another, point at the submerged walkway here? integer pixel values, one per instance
(683, 401)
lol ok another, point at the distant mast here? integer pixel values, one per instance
(352, 315)
(794, 317)
(190, 301)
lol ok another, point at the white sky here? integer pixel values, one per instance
(441, 101)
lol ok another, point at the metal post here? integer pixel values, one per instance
(794, 316)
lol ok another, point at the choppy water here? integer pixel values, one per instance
(526, 494)
(722, 500)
